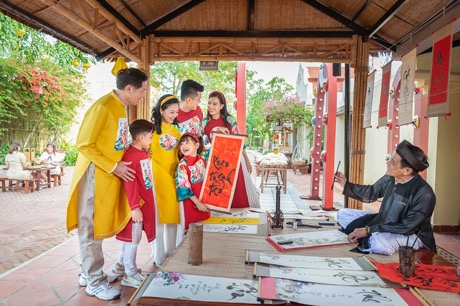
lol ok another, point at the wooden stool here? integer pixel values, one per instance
(56, 179)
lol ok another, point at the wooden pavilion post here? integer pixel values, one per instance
(142, 111)
(358, 133)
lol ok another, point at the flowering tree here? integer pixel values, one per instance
(287, 109)
(41, 84)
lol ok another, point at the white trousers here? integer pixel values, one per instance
(91, 254)
(129, 250)
(380, 243)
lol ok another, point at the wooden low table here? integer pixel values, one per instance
(276, 171)
(224, 255)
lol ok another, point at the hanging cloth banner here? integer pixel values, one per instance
(438, 104)
(384, 95)
(369, 99)
(406, 96)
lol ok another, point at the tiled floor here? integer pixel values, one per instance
(51, 278)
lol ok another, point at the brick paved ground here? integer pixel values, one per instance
(32, 223)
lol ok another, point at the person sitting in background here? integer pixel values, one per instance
(16, 162)
(51, 158)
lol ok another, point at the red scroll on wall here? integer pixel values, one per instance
(221, 171)
(438, 104)
(384, 95)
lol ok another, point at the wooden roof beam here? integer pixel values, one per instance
(104, 12)
(360, 10)
(175, 13)
(336, 16)
(132, 12)
(350, 24)
(117, 15)
(255, 34)
(250, 15)
(92, 29)
(387, 16)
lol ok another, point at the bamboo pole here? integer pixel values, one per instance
(358, 134)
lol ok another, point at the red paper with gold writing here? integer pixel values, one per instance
(442, 278)
(223, 165)
(440, 71)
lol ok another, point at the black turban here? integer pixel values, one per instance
(404, 150)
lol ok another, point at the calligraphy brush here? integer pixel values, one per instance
(418, 234)
(397, 242)
(407, 242)
(332, 187)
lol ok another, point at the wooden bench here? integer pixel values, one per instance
(14, 184)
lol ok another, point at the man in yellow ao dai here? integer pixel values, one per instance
(98, 205)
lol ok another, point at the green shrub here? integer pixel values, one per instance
(71, 153)
(4, 148)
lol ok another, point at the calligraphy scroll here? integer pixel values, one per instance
(406, 95)
(438, 103)
(187, 288)
(221, 172)
(369, 99)
(384, 95)
(331, 295)
(308, 240)
(319, 276)
(311, 262)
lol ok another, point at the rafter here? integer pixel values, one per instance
(117, 15)
(350, 24)
(132, 12)
(95, 31)
(387, 16)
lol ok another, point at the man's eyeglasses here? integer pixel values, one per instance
(388, 157)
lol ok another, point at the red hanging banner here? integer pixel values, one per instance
(438, 104)
(384, 95)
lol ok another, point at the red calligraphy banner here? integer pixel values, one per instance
(384, 95)
(222, 169)
(438, 104)
(442, 278)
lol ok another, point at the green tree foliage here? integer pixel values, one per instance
(40, 89)
(287, 109)
(166, 77)
(28, 45)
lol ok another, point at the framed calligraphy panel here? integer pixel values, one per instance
(223, 166)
